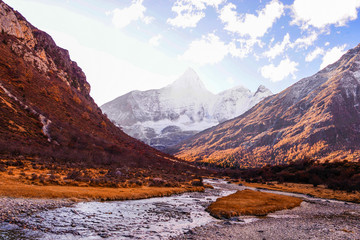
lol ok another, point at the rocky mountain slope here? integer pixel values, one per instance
(47, 113)
(164, 117)
(318, 116)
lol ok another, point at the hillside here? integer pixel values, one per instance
(47, 114)
(318, 117)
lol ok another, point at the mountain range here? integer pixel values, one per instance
(164, 117)
(317, 117)
(47, 114)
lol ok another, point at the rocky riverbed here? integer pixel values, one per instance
(13, 211)
(314, 219)
(177, 217)
(155, 218)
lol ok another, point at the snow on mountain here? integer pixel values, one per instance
(164, 117)
(318, 117)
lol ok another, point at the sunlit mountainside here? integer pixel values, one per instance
(317, 117)
(48, 114)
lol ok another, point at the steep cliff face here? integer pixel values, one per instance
(39, 49)
(164, 117)
(46, 111)
(318, 116)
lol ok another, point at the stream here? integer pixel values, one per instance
(153, 218)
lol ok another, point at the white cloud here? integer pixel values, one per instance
(147, 19)
(190, 12)
(306, 41)
(332, 55)
(314, 54)
(278, 48)
(251, 25)
(123, 17)
(322, 13)
(187, 15)
(327, 44)
(208, 50)
(278, 73)
(245, 47)
(201, 3)
(155, 41)
(230, 80)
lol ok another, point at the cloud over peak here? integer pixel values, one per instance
(314, 54)
(251, 25)
(332, 55)
(190, 12)
(123, 17)
(207, 50)
(322, 13)
(277, 73)
(278, 48)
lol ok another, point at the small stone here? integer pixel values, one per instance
(74, 211)
(103, 235)
(127, 236)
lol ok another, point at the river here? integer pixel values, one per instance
(165, 217)
(154, 218)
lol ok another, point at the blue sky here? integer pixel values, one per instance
(123, 45)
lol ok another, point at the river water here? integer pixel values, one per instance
(161, 218)
(154, 218)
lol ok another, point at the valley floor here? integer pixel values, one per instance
(31, 180)
(314, 219)
(16, 189)
(308, 189)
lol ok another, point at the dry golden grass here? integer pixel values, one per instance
(309, 189)
(13, 188)
(208, 186)
(249, 202)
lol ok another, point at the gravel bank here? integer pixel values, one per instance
(314, 219)
(14, 209)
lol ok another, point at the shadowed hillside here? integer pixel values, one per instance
(47, 114)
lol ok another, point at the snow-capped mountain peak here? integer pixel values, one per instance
(188, 80)
(318, 117)
(185, 107)
(235, 90)
(261, 88)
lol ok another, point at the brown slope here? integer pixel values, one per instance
(46, 110)
(319, 116)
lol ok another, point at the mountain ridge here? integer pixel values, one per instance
(316, 117)
(188, 79)
(48, 115)
(163, 117)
